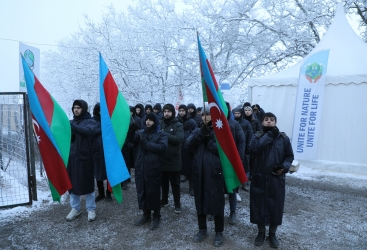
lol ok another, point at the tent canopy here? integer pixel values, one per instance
(347, 58)
(341, 138)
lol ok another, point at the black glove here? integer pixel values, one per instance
(143, 141)
(275, 132)
(205, 130)
(276, 169)
(134, 126)
(186, 126)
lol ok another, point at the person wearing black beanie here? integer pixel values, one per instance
(148, 108)
(188, 126)
(157, 109)
(193, 113)
(83, 131)
(171, 161)
(151, 143)
(272, 158)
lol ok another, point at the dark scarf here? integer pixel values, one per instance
(168, 120)
(249, 118)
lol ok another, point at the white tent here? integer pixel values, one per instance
(342, 134)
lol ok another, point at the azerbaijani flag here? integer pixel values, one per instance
(233, 171)
(115, 121)
(52, 129)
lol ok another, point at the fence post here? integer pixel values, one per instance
(30, 149)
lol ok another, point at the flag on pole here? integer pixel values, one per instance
(115, 121)
(233, 171)
(52, 128)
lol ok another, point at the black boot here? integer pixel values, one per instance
(259, 240)
(143, 219)
(274, 243)
(155, 222)
(218, 240)
(232, 218)
(191, 186)
(100, 191)
(200, 235)
(124, 185)
(108, 195)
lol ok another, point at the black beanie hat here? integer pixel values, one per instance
(199, 109)
(148, 106)
(151, 116)
(170, 107)
(183, 106)
(269, 114)
(158, 107)
(96, 110)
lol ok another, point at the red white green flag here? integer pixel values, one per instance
(233, 171)
(52, 129)
(115, 121)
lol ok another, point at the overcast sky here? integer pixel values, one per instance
(41, 22)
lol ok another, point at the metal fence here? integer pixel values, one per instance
(17, 183)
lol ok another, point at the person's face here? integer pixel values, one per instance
(131, 113)
(206, 118)
(77, 110)
(155, 111)
(167, 114)
(269, 122)
(255, 110)
(181, 112)
(149, 123)
(248, 112)
(147, 111)
(237, 114)
(198, 112)
(137, 110)
(190, 110)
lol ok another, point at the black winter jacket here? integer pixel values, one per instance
(80, 165)
(148, 168)
(267, 192)
(171, 161)
(209, 184)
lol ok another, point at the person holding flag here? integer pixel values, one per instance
(208, 178)
(80, 166)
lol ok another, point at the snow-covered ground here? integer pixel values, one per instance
(323, 210)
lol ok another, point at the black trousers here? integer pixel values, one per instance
(174, 178)
(156, 214)
(218, 222)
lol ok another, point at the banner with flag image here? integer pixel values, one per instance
(234, 174)
(53, 133)
(115, 121)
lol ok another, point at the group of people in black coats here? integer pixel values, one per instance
(164, 146)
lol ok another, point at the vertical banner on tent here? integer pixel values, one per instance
(310, 94)
(32, 57)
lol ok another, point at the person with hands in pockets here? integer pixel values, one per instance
(272, 158)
